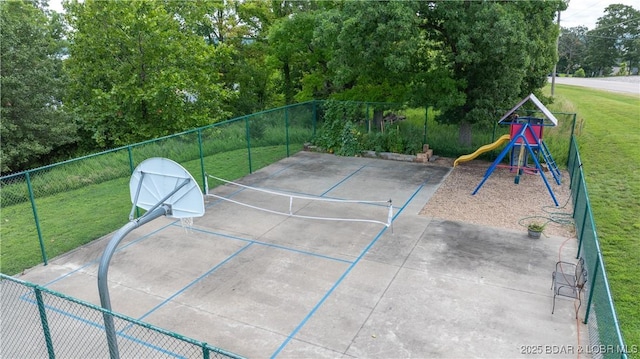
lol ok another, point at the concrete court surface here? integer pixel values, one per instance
(265, 285)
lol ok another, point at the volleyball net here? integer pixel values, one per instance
(305, 207)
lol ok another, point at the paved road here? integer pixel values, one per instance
(623, 84)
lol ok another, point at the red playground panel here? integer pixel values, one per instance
(537, 129)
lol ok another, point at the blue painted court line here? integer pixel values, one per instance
(101, 327)
(322, 195)
(343, 180)
(270, 245)
(152, 346)
(342, 277)
(88, 264)
(63, 312)
(164, 302)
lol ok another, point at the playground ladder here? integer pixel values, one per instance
(551, 164)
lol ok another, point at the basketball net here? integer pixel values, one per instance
(186, 223)
(290, 212)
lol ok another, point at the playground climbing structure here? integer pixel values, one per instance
(525, 141)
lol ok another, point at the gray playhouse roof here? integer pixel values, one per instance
(538, 104)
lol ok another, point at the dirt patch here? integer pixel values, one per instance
(500, 202)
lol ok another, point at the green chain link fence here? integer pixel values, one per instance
(605, 337)
(54, 209)
(35, 204)
(38, 323)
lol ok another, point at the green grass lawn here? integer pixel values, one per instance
(609, 140)
(70, 219)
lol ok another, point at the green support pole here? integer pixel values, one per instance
(131, 164)
(35, 217)
(132, 168)
(573, 125)
(205, 352)
(572, 166)
(593, 287)
(204, 179)
(286, 127)
(367, 119)
(45, 323)
(314, 119)
(577, 194)
(426, 119)
(493, 135)
(584, 221)
(247, 130)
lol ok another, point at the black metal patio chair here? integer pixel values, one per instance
(568, 280)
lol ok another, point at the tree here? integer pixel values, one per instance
(615, 39)
(495, 53)
(299, 60)
(241, 27)
(572, 49)
(252, 74)
(138, 72)
(33, 125)
(541, 31)
(373, 47)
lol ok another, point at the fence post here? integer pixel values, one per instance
(584, 222)
(573, 127)
(248, 132)
(131, 164)
(35, 217)
(205, 351)
(576, 195)
(286, 127)
(131, 169)
(493, 134)
(592, 289)
(204, 179)
(314, 120)
(426, 119)
(366, 117)
(45, 323)
(571, 166)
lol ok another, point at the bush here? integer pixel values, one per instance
(338, 134)
(350, 141)
(344, 131)
(579, 73)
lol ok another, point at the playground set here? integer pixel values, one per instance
(524, 139)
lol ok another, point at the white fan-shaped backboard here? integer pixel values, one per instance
(156, 178)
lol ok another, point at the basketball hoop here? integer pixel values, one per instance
(163, 188)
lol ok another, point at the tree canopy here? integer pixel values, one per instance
(138, 70)
(33, 125)
(615, 41)
(495, 52)
(572, 49)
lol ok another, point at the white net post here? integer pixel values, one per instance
(390, 216)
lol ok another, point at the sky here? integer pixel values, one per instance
(587, 12)
(579, 13)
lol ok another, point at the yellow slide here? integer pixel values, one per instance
(483, 149)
